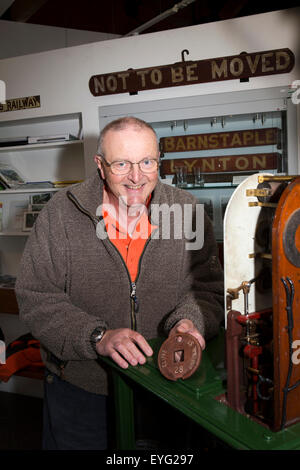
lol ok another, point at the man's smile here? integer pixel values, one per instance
(134, 188)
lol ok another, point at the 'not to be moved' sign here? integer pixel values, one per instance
(242, 66)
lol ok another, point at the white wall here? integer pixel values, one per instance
(18, 39)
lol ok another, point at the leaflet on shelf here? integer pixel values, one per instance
(36, 185)
(9, 177)
(51, 138)
(44, 139)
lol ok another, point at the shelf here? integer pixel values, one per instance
(209, 186)
(16, 233)
(41, 145)
(213, 186)
(191, 186)
(31, 190)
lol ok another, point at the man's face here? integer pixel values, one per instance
(132, 144)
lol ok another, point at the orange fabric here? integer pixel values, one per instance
(130, 247)
(22, 354)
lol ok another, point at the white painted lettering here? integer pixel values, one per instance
(265, 62)
(142, 74)
(282, 59)
(236, 67)
(111, 83)
(156, 76)
(218, 71)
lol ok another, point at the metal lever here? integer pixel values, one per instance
(234, 294)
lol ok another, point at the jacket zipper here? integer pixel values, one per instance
(134, 305)
(133, 298)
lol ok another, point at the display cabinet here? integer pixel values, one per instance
(223, 150)
(227, 136)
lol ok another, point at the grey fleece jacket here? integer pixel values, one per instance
(71, 281)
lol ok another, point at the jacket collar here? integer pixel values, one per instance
(89, 195)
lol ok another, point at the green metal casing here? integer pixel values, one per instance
(200, 398)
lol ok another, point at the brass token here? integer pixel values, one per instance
(179, 356)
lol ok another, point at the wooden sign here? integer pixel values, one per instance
(220, 140)
(16, 104)
(242, 66)
(227, 163)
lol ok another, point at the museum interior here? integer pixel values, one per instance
(219, 83)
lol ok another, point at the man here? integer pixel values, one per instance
(98, 278)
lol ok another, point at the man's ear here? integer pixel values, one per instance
(99, 164)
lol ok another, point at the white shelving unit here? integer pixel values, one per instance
(39, 145)
(53, 161)
(44, 161)
(237, 111)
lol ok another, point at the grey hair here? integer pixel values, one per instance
(120, 125)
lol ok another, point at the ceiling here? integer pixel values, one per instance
(122, 17)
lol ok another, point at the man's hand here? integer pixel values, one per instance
(124, 346)
(187, 326)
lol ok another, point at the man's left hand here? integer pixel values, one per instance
(187, 326)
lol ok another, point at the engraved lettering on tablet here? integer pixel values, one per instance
(175, 363)
(163, 358)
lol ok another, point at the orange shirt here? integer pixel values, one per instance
(130, 247)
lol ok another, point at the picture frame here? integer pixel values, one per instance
(16, 209)
(39, 199)
(35, 207)
(29, 220)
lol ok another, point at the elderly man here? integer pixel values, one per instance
(99, 277)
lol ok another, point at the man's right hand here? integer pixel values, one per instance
(124, 346)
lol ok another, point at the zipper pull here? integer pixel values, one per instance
(134, 297)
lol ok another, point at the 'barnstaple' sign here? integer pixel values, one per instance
(242, 66)
(228, 163)
(221, 140)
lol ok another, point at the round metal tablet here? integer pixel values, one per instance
(179, 356)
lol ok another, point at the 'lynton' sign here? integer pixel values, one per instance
(221, 164)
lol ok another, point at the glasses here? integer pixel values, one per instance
(123, 167)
